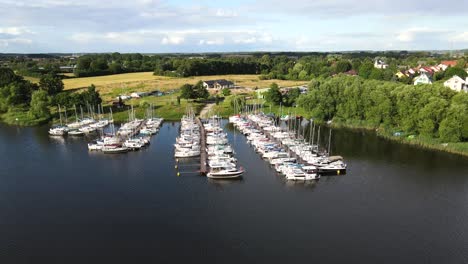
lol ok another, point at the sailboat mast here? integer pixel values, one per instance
(60, 114)
(318, 139)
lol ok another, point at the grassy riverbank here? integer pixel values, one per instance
(20, 117)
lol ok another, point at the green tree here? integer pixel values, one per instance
(451, 71)
(291, 97)
(187, 92)
(342, 66)
(226, 91)
(91, 96)
(39, 105)
(237, 102)
(200, 91)
(51, 83)
(273, 95)
(365, 69)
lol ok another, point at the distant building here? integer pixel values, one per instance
(423, 79)
(67, 68)
(426, 70)
(457, 84)
(445, 64)
(218, 84)
(400, 74)
(380, 64)
(139, 94)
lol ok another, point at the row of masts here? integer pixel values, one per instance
(91, 113)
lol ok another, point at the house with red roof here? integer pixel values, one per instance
(448, 63)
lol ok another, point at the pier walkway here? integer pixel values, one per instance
(203, 154)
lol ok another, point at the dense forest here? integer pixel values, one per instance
(432, 111)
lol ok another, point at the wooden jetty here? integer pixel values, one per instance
(203, 154)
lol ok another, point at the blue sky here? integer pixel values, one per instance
(226, 26)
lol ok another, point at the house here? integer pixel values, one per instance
(445, 64)
(400, 75)
(411, 72)
(426, 70)
(67, 68)
(457, 84)
(380, 64)
(423, 79)
(435, 69)
(218, 84)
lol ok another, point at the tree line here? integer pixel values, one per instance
(431, 111)
(18, 93)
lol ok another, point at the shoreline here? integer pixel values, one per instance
(416, 141)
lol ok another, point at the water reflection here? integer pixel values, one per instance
(306, 185)
(220, 184)
(58, 199)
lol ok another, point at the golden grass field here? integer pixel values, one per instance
(111, 86)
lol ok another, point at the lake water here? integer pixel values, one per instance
(62, 204)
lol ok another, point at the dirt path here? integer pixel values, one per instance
(206, 110)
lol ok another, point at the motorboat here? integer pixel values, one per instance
(75, 132)
(224, 171)
(58, 131)
(114, 149)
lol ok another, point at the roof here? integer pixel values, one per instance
(351, 72)
(449, 63)
(456, 77)
(221, 82)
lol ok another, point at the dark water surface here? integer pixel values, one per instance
(61, 204)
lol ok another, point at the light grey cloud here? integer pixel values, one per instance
(162, 25)
(335, 8)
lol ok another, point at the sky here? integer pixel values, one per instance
(158, 26)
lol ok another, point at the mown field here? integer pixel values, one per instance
(111, 86)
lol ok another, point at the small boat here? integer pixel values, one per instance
(311, 173)
(295, 174)
(95, 145)
(224, 171)
(187, 154)
(58, 131)
(114, 149)
(75, 132)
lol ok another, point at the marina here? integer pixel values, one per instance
(67, 208)
(207, 142)
(287, 150)
(130, 136)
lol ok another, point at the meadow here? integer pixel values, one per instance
(110, 86)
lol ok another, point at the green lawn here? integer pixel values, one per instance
(164, 106)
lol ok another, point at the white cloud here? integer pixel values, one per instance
(412, 34)
(213, 41)
(173, 40)
(461, 37)
(226, 13)
(15, 31)
(15, 41)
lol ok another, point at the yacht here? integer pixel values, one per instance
(224, 171)
(58, 131)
